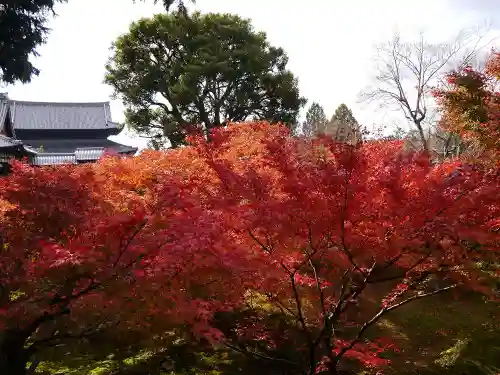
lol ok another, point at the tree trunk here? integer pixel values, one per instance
(13, 356)
(421, 134)
(174, 133)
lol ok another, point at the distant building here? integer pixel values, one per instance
(57, 133)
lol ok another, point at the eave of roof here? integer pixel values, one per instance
(70, 145)
(7, 142)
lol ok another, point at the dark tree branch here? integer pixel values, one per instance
(383, 311)
(259, 355)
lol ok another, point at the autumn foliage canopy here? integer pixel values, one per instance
(471, 106)
(255, 241)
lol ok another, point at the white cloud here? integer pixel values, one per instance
(329, 43)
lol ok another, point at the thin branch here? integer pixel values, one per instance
(299, 308)
(259, 355)
(268, 249)
(282, 306)
(360, 288)
(52, 340)
(129, 242)
(385, 310)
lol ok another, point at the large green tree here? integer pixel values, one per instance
(173, 72)
(344, 115)
(23, 27)
(315, 120)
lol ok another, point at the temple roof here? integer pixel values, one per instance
(57, 133)
(70, 145)
(80, 155)
(61, 116)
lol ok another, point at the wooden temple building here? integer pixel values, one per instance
(56, 133)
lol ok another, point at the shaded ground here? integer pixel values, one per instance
(443, 335)
(437, 336)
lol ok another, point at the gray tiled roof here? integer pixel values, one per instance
(59, 133)
(41, 115)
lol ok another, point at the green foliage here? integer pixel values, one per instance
(464, 344)
(449, 357)
(22, 29)
(398, 133)
(173, 71)
(344, 115)
(315, 120)
(343, 119)
(459, 339)
(14, 295)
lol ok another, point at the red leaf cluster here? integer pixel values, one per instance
(253, 221)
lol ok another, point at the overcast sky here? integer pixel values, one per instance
(329, 43)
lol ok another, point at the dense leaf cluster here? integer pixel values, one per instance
(471, 106)
(286, 252)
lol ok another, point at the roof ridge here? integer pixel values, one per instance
(56, 153)
(28, 102)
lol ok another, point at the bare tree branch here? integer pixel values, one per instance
(407, 71)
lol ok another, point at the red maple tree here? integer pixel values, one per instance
(253, 225)
(470, 106)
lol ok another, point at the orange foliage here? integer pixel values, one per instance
(471, 107)
(170, 239)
